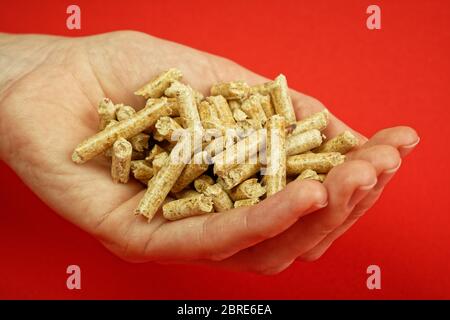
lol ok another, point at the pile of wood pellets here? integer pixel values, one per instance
(235, 170)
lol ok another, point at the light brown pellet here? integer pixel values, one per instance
(238, 174)
(221, 200)
(342, 143)
(250, 124)
(250, 188)
(180, 121)
(121, 161)
(253, 108)
(165, 127)
(140, 142)
(220, 104)
(124, 112)
(319, 162)
(106, 112)
(239, 115)
(318, 121)
(246, 202)
(276, 155)
(303, 142)
(187, 105)
(156, 87)
(108, 152)
(161, 184)
(187, 193)
(235, 107)
(203, 182)
(281, 100)
(159, 161)
(172, 105)
(234, 90)
(322, 176)
(216, 146)
(104, 139)
(154, 152)
(192, 171)
(239, 152)
(266, 104)
(187, 207)
(208, 116)
(141, 171)
(262, 88)
(308, 174)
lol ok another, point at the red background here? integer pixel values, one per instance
(372, 79)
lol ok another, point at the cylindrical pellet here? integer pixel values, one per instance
(154, 152)
(318, 121)
(253, 108)
(186, 193)
(250, 125)
(124, 112)
(203, 182)
(250, 188)
(121, 161)
(124, 129)
(246, 202)
(165, 127)
(141, 171)
(342, 143)
(159, 161)
(140, 142)
(239, 153)
(187, 207)
(281, 99)
(303, 142)
(262, 88)
(308, 174)
(187, 106)
(222, 109)
(209, 116)
(156, 87)
(319, 162)
(276, 155)
(221, 200)
(161, 184)
(232, 177)
(266, 104)
(106, 112)
(192, 171)
(235, 90)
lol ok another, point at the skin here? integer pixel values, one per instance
(49, 91)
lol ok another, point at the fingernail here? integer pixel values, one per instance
(316, 207)
(412, 145)
(359, 194)
(385, 176)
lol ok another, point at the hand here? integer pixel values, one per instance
(48, 99)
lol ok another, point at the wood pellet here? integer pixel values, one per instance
(251, 145)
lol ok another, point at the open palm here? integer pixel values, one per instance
(50, 106)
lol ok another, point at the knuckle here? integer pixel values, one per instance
(366, 171)
(389, 156)
(315, 191)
